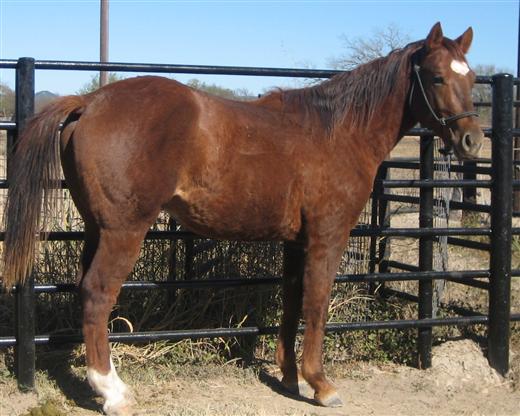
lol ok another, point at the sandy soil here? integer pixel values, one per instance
(459, 383)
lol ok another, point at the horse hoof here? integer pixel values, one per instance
(332, 400)
(121, 408)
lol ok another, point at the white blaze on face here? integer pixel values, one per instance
(111, 388)
(459, 67)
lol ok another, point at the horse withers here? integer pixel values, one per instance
(295, 165)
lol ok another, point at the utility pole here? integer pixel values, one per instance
(103, 41)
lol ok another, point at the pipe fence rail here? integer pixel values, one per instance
(495, 280)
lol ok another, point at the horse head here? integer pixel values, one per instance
(440, 95)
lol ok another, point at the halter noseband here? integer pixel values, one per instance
(443, 121)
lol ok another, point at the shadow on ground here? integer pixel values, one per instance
(276, 386)
(58, 365)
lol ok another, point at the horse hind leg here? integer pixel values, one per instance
(114, 258)
(293, 264)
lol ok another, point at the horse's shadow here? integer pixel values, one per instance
(276, 386)
(57, 364)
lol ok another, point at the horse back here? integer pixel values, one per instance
(149, 143)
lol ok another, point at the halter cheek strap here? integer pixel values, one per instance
(443, 121)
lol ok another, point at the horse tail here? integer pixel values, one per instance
(34, 171)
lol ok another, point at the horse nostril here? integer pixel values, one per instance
(467, 143)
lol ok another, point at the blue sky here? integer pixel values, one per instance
(246, 33)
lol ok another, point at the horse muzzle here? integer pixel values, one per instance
(468, 144)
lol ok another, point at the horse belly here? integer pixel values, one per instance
(238, 215)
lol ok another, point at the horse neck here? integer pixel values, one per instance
(389, 123)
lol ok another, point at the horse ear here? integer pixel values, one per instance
(434, 38)
(465, 39)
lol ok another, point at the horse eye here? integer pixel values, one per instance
(438, 80)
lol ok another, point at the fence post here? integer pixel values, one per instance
(384, 246)
(424, 339)
(376, 191)
(501, 207)
(378, 219)
(25, 349)
(189, 255)
(172, 261)
(469, 194)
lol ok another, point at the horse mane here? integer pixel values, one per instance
(356, 94)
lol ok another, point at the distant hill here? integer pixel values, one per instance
(42, 98)
(7, 101)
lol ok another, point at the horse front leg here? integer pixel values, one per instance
(321, 263)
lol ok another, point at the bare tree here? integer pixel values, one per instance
(7, 101)
(237, 94)
(94, 82)
(482, 92)
(360, 50)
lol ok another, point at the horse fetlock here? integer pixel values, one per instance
(298, 387)
(118, 397)
(325, 392)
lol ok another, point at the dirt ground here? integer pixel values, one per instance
(460, 382)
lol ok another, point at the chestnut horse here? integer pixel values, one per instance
(296, 166)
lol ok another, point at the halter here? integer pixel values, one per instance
(443, 121)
